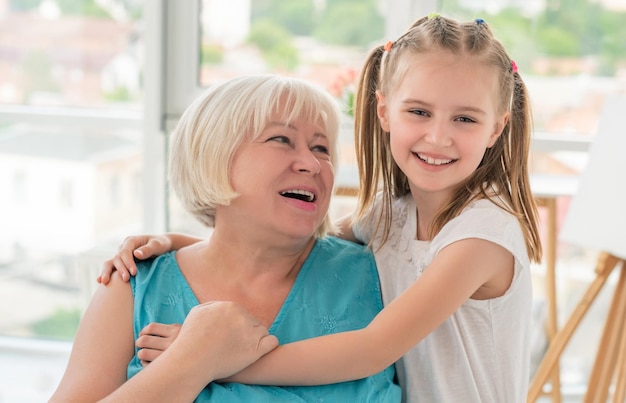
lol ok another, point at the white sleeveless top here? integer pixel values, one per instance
(482, 352)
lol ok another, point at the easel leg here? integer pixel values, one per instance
(605, 265)
(552, 319)
(609, 348)
(620, 376)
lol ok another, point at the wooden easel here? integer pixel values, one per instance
(610, 362)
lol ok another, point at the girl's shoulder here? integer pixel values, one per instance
(483, 216)
(486, 209)
(484, 219)
(402, 213)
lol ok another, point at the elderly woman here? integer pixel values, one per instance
(253, 158)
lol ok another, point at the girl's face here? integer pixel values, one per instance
(442, 117)
(284, 178)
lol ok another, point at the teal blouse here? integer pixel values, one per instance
(337, 290)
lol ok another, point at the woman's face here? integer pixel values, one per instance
(284, 178)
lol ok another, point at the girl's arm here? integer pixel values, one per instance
(458, 272)
(142, 247)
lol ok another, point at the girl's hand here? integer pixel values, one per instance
(154, 339)
(140, 247)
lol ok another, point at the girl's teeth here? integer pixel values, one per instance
(434, 161)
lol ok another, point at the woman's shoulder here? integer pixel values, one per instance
(336, 264)
(167, 259)
(157, 269)
(337, 254)
(332, 246)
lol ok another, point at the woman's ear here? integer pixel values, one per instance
(497, 129)
(381, 110)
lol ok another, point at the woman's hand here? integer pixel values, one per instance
(219, 339)
(227, 328)
(140, 247)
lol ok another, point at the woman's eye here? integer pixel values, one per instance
(280, 139)
(320, 149)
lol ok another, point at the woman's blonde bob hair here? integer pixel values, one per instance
(235, 111)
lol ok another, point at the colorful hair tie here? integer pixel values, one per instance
(479, 21)
(388, 46)
(432, 16)
(513, 66)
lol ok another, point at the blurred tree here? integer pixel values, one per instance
(580, 28)
(296, 16)
(275, 44)
(86, 8)
(120, 94)
(62, 324)
(569, 28)
(556, 41)
(514, 31)
(339, 22)
(23, 5)
(211, 54)
(612, 47)
(350, 22)
(37, 70)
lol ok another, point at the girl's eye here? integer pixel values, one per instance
(465, 119)
(419, 112)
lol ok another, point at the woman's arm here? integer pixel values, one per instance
(141, 247)
(102, 348)
(216, 340)
(457, 273)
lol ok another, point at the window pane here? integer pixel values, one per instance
(70, 176)
(70, 196)
(70, 53)
(70, 163)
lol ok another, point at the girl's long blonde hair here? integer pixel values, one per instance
(504, 167)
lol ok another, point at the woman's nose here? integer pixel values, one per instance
(307, 162)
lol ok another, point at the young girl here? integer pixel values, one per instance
(443, 130)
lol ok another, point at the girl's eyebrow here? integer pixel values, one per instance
(465, 108)
(473, 109)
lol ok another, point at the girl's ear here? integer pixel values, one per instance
(381, 110)
(497, 129)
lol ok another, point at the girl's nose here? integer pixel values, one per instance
(437, 134)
